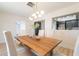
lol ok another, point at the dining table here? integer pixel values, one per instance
(41, 46)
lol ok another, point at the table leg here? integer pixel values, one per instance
(51, 53)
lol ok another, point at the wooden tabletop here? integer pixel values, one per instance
(42, 46)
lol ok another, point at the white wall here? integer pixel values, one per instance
(8, 22)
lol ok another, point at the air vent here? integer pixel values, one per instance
(31, 4)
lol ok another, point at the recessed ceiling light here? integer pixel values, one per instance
(31, 4)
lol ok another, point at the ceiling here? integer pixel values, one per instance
(22, 9)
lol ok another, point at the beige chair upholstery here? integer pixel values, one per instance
(61, 51)
(69, 52)
(9, 43)
(76, 50)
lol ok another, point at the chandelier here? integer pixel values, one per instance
(37, 14)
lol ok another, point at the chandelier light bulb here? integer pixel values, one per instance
(42, 12)
(34, 15)
(30, 18)
(37, 12)
(39, 15)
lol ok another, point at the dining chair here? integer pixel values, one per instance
(11, 49)
(76, 50)
(61, 51)
(41, 33)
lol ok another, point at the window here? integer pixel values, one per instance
(60, 25)
(41, 24)
(67, 22)
(20, 27)
(72, 24)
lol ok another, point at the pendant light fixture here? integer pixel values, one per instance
(37, 14)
